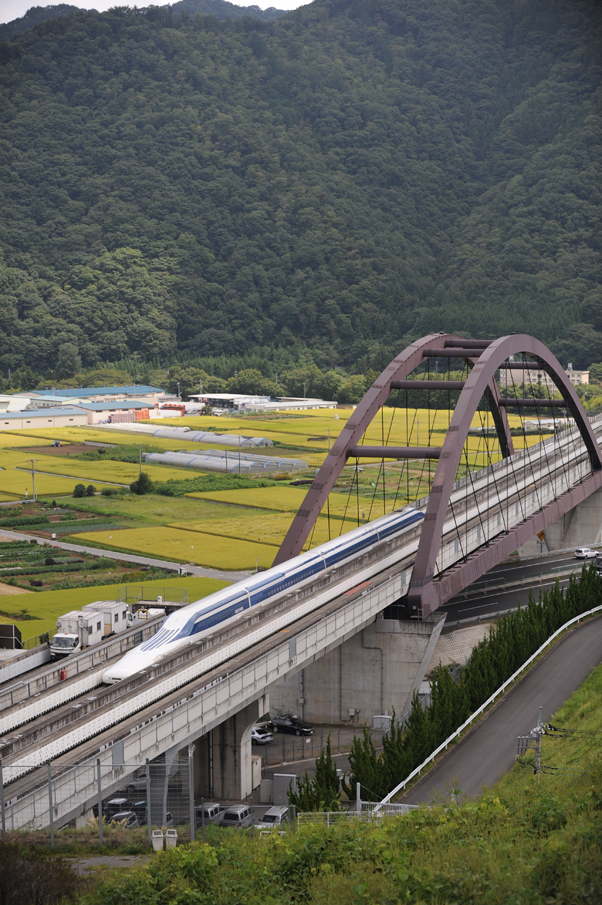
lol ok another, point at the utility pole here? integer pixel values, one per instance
(539, 731)
(33, 479)
(532, 742)
(140, 451)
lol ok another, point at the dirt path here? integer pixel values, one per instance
(7, 590)
(100, 862)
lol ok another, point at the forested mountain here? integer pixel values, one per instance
(220, 8)
(224, 10)
(33, 16)
(345, 178)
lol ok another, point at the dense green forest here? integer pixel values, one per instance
(324, 187)
(220, 8)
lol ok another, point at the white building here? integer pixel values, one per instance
(532, 376)
(67, 416)
(237, 402)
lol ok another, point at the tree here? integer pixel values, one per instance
(90, 490)
(352, 389)
(142, 485)
(366, 769)
(79, 491)
(69, 360)
(323, 791)
(252, 381)
(25, 379)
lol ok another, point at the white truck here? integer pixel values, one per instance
(90, 625)
(93, 623)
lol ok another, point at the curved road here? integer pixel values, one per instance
(490, 749)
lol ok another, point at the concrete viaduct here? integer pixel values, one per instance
(335, 650)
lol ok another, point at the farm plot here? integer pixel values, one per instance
(279, 498)
(183, 546)
(267, 528)
(112, 472)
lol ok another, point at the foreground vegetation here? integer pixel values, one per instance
(522, 842)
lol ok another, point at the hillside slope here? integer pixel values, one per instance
(349, 176)
(220, 8)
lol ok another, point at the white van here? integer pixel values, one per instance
(274, 817)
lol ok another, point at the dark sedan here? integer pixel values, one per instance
(291, 724)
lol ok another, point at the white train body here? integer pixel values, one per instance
(190, 623)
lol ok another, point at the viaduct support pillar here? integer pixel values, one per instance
(580, 527)
(223, 757)
(376, 670)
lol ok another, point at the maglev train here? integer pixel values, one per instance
(187, 626)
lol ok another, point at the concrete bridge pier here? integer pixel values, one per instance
(222, 757)
(580, 527)
(376, 670)
(160, 772)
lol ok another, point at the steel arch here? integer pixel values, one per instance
(367, 409)
(423, 597)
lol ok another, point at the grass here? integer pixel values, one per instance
(152, 509)
(181, 546)
(47, 606)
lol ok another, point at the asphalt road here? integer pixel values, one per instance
(490, 750)
(508, 584)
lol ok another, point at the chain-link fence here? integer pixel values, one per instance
(111, 805)
(368, 810)
(128, 806)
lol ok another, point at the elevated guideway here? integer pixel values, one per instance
(210, 682)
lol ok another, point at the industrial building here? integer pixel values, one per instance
(67, 416)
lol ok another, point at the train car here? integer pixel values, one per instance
(187, 625)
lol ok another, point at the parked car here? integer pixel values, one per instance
(239, 815)
(210, 812)
(585, 553)
(128, 818)
(260, 736)
(136, 785)
(139, 809)
(273, 817)
(291, 724)
(113, 806)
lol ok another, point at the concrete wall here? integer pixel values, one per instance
(376, 670)
(580, 527)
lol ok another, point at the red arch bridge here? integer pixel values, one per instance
(488, 438)
(475, 521)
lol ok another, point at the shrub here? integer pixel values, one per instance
(27, 876)
(142, 485)
(79, 491)
(90, 490)
(108, 491)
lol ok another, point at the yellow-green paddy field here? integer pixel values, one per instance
(235, 528)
